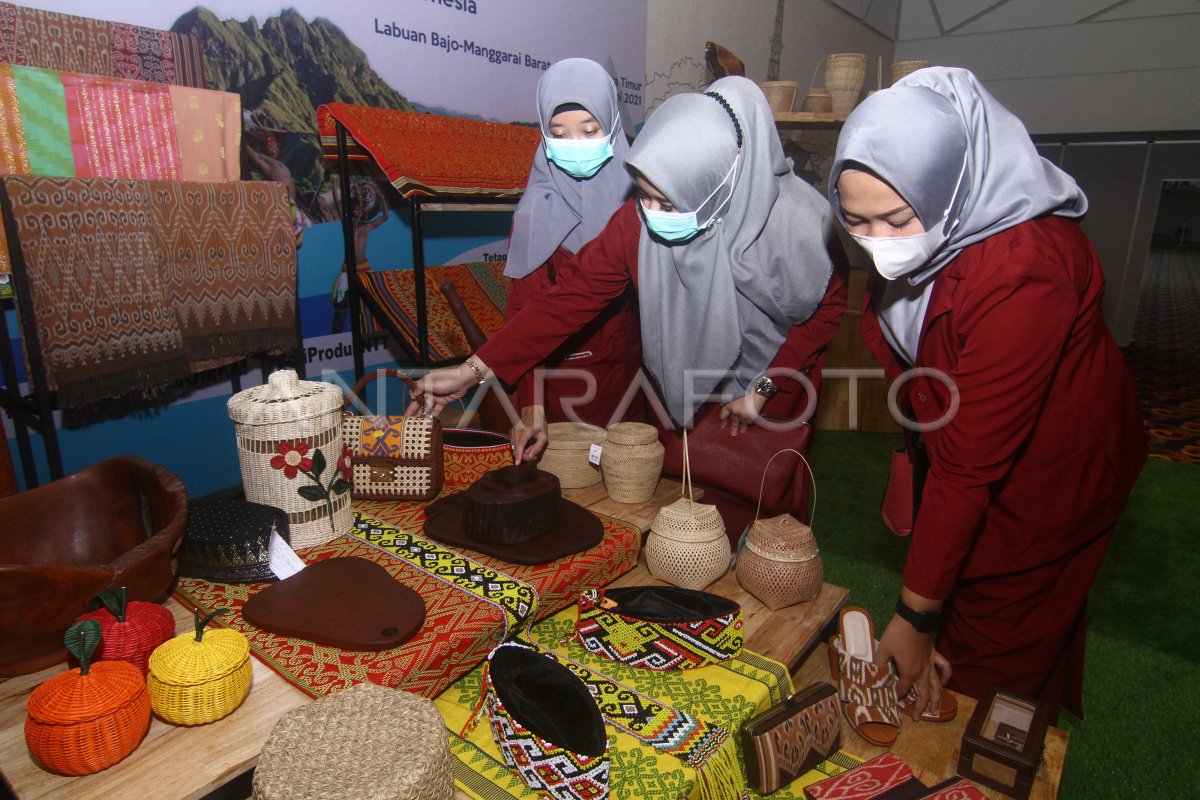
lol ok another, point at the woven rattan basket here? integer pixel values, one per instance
(365, 742)
(566, 453)
(632, 462)
(89, 718)
(901, 68)
(779, 562)
(781, 95)
(687, 546)
(844, 75)
(281, 426)
(200, 677)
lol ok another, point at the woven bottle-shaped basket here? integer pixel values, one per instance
(89, 718)
(130, 630)
(632, 461)
(778, 561)
(200, 678)
(844, 76)
(566, 455)
(687, 545)
(289, 440)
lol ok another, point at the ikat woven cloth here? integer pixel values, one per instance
(646, 763)
(482, 287)
(136, 284)
(428, 154)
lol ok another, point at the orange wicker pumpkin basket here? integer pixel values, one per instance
(89, 718)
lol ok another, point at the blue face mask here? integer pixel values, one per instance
(580, 158)
(679, 226)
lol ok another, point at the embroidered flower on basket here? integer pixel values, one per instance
(344, 465)
(292, 459)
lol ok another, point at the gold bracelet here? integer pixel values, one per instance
(475, 368)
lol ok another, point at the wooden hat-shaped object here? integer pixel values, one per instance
(349, 603)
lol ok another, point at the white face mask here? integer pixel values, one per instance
(896, 256)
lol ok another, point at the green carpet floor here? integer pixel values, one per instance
(1141, 735)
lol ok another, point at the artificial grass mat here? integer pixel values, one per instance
(1142, 682)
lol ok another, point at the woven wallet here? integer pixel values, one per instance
(789, 739)
(392, 457)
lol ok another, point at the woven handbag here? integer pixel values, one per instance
(687, 545)
(392, 457)
(778, 561)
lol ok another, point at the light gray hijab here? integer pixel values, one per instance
(726, 299)
(943, 142)
(556, 208)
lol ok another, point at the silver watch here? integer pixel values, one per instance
(764, 386)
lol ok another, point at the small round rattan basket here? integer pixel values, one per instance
(632, 462)
(566, 453)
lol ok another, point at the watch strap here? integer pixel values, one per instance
(922, 621)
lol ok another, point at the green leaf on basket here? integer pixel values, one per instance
(313, 493)
(318, 462)
(339, 486)
(113, 599)
(81, 640)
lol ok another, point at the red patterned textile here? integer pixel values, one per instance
(434, 155)
(482, 287)
(120, 128)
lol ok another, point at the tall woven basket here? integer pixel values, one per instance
(844, 75)
(281, 427)
(566, 453)
(687, 546)
(632, 462)
(778, 561)
(901, 68)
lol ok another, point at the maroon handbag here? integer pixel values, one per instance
(897, 506)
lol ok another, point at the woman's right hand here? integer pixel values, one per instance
(443, 386)
(529, 435)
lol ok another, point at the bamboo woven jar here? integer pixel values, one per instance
(281, 428)
(779, 562)
(566, 455)
(632, 461)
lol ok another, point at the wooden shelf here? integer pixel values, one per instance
(807, 119)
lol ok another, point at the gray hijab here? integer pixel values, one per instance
(944, 143)
(726, 299)
(556, 208)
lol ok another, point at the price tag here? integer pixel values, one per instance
(594, 455)
(284, 561)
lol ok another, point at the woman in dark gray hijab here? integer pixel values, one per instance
(989, 289)
(578, 179)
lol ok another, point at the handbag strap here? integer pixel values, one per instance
(762, 484)
(356, 393)
(686, 486)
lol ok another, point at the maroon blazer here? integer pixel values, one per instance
(1047, 440)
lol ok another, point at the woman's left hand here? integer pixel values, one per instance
(740, 414)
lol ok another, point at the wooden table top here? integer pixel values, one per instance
(931, 748)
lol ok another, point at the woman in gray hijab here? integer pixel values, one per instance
(577, 181)
(1031, 432)
(730, 253)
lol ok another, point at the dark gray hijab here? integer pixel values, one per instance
(556, 208)
(726, 299)
(944, 143)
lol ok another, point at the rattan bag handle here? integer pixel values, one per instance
(687, 471)
(762, 484)
(356, 393)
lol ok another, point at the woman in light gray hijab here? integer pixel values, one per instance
(1032, 435)
(577, 181)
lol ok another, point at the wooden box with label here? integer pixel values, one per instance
(1002, 745)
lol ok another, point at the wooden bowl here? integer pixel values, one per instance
(116, 523)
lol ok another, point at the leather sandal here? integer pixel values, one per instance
(947, 710)
(867, 692)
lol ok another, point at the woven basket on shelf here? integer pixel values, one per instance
(687, 546)
(781, 95)
(366, 741)
(89, 718)
(778, 561)
(632, 462)
(566, 454)
(901, 68)
(281, 426)
(844, 75)
(201, 677)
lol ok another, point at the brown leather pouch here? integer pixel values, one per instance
(789, 739)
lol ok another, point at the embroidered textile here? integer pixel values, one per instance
(434, 155)
(482, 287)
(135, 283)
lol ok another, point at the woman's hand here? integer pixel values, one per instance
(917, 662)
(740, 414)
(443, 386)
(529, 435)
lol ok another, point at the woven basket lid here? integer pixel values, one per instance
(71, 698)
(686, 520)
(782, 538)
(632, 433)
(183, 661)
(284, 398)
(573, 435)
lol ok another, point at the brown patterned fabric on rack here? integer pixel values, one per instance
(136, 284)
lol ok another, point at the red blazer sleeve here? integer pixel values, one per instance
(603, 270)
(521, 293)
(804, 348)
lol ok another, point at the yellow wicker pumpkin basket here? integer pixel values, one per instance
(200, 678)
